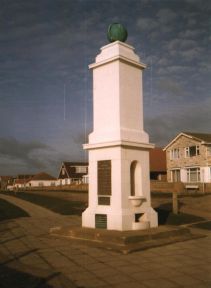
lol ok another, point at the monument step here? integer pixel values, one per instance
(141, 225)
(126, 241)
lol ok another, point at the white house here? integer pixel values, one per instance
(72, 172)
(42, 179)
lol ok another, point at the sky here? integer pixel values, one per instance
(46, 86)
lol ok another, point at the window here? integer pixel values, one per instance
(191, 151)
(63, 171)
(81, 169)
(174, 153)
(208, 150)
(193, 174)
(175, 175)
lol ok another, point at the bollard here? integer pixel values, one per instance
(175, 202)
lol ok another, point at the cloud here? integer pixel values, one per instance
(165, 16)
(158, 24)
(185, 50)
(192, 54)
(178, 44)
(188, 33)
(146, 24)
(201, 5)
(191, 116)
(28, 157)
(170, 86)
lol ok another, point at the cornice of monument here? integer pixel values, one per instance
(120, 143)
(117, 51)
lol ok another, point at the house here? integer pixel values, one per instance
(157, 159)
(6, 182)
(20, 183)
(189, 158)
(41, 179)
(72, 172)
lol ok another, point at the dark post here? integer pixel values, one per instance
(175, 202)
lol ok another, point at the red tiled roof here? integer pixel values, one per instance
(6, 178)
(24, 176)
(43, 176)
(21, 181)
(157, 160)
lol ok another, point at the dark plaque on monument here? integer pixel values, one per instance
(104, 181)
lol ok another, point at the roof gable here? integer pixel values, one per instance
(69, 168)
(205, 137)
(201, 137)
(63, 173)
(43, 176)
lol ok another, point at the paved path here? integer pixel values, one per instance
(30, 257)
(32, 209)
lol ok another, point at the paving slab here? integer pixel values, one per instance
(30, 257)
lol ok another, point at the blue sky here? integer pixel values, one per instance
(46, 87)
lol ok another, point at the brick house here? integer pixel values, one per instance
(188, 158)
(72, 172)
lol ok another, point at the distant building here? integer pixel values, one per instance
(42, 179)
(189, 158)
(158, 169)
(6, 182)
(72, 172)
(20, 183)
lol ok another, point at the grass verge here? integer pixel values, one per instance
(65, 207)
(54, 204)
(10, 211)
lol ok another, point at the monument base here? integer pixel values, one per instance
(124, 220)
(127, 241)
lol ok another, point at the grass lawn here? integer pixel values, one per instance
(10, 211)
(166, 217)
(54, 204)
(65, 207)
(163, 206)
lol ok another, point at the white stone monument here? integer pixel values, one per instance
(119, 184)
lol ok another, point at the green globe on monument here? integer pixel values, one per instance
(117, 32)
